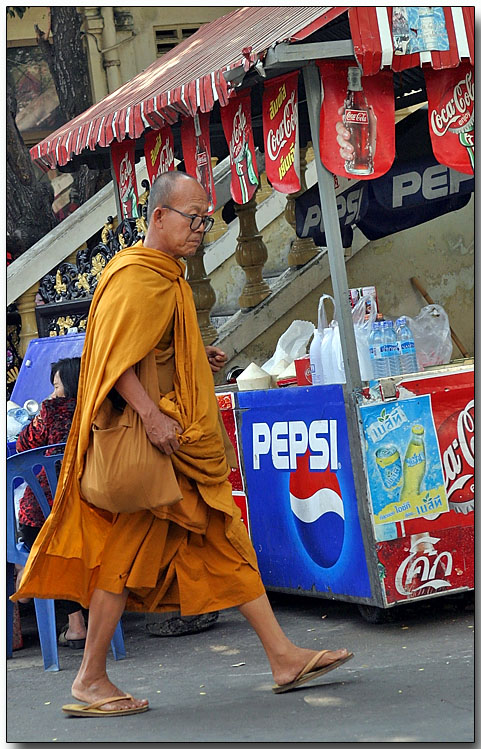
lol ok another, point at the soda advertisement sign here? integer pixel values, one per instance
(194, 133)
(427, 563)
(159, 152)
(452, 404)
(281, 134)
(364, 107)
(450, 95)
(123, 160)
(403, 461)
(236, 122)
(303, 513)
(418, 29)
(226, 407)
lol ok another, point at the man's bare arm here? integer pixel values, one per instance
(161, 430)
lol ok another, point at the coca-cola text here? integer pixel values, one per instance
(458, 109)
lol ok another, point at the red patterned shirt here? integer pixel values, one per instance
(50, 426)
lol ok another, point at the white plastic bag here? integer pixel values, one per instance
(432, 336)
(292, 344)
(327, 341)
(362, 331)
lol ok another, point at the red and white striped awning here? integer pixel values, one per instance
(371, 31)
(186, 79)
(190, 77)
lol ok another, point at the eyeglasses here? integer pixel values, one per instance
(196, 221)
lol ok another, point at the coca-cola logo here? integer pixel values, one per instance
(278, 139)
(164, 152)
(458, 458)
(425, 570)
(356, 115)
(458, 112)
(238, 137)
(125, 175)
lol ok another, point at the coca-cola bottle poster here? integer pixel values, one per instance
(356, 110)
(159, 152)
(281, 133)
(194, 133)
(123, 160)
(450, 95)
(236, 122)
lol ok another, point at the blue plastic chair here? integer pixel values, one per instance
(27, 465)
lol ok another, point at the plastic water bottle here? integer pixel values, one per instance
(391, 349)
(17, 418)
(378, 361)
(316, 360)
(405, 338)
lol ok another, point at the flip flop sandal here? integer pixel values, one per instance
(92, 710)
(309, 672)
(74, 644)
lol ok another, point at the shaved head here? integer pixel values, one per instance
(165, 186)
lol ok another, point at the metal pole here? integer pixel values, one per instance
(335, 249)
(348, 342)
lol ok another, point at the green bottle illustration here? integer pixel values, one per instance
(245, 169)
(414, 465)
(467, 140)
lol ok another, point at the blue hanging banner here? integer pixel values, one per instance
(408, 195)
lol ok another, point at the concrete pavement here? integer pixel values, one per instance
(411, 680)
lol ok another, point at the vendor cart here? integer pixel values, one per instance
(325, 516)
(316, 463)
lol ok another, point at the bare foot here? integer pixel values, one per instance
(292, 664)
(102, 689)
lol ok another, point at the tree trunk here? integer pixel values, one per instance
(68, 64)
(29, 202)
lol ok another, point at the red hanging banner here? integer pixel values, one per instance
(159, 152)
(194, 133)
(451, 115)
(364, 107)
(281, 133)
(123, 161)
(236, 121)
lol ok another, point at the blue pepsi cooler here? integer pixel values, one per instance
(303, 513)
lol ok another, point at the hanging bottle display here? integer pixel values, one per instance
(194, 133)
(236, 121)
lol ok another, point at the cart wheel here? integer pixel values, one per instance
(373, 614)
(461, 601)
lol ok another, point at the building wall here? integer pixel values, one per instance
(136, 52)
(440, 253)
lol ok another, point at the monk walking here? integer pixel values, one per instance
(194, 555)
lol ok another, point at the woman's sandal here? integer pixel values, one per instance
(74, 644)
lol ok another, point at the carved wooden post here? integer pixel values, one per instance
(265, 190)
(302, 249)
(251, 255)
(26, 309)
(220, 227)
(204, 294)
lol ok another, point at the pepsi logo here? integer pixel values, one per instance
(286, 440)
(318, 510)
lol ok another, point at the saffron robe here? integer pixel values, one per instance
(194, 555)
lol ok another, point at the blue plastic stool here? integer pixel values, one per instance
(26, 466)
